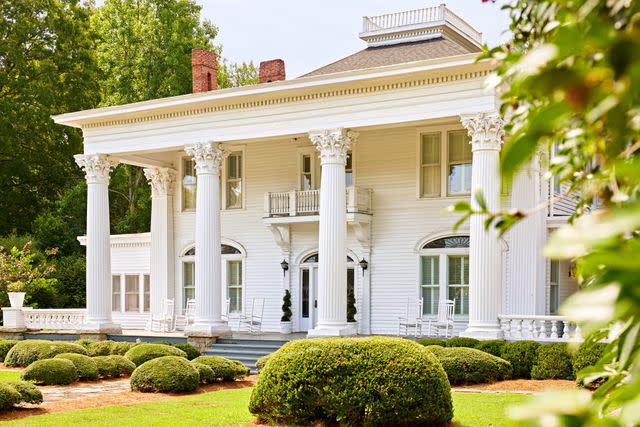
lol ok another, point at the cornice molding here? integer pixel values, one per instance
(139, 240)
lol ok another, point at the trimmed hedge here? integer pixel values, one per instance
(587, 355)
(51, 372)
(144, 352)
(431, 341)
(522, 355)
(5, 346)
(120, 348)
(353, 381)
(207, 375)
(113, 366)
(85, 366)
(553, 363)
(224, 369)
(493, 347)
(165, 374)
(8, 396)
(262, 361)
(462, 342)
(84, 342)
(191, 351)
(99, 348)
(29, 393)
(470, 366)
(24, 353)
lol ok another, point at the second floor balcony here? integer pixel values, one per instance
(306, 203)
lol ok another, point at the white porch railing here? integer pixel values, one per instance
(539, 328)
(54, 318)
(307, 202)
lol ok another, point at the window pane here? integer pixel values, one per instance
(459, 147)
(234, 286)
(147, 292)
(458, 283)
(234, 194)
(305, 293)
(431, 180)
(115, 300)
(430, 284)
(132, 293)
(460, 178)
(306, 163)
(448, 242)
(188, 184)
(430, 297)
(430, 161)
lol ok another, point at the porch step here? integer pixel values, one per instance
(246, 350)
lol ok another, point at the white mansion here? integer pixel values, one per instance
(336, 180)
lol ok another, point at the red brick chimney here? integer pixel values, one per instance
(272, 71)
(204, 70)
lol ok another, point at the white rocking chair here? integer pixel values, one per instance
(252, 320)
(163, 322)
(411, 319)
(445, 317)
(184, 320)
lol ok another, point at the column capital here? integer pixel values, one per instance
(485, 130)
(333, 144)
(208, 157)
(96, 167)
(161, 180)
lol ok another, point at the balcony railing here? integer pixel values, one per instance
(54, 318)
(539, 328)
(307, 202)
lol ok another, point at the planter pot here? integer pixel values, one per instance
(285, 327)
(16, 299)
(353, 326)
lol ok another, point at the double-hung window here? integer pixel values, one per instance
(306, 172)
(348, 169)
(451, 149)
(234, 181)
(189, 184)
(430, 164)
(234, 285)
(458, 283)
(554, 287)
(115, 294)
(430, 285)
(459, 172)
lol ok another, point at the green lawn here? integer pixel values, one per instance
(229, 408)
(9, 375)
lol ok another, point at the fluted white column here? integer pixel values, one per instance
(485, 266)
(97, 168)
(332, 251)
(162, 263)
(208, 318)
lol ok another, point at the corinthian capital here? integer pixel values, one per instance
(161, 180)
(333, 144)
(208, 157)
(485, 130)
(96, 167)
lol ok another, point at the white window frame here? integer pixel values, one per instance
(243, 179)
(123, 296)
(444, 162)
(181, 175)
(353, 167)
(226, 259)
(450, 163)
(315, 167)
(552, 285)
(443, 255)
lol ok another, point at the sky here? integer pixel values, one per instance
(308, 34)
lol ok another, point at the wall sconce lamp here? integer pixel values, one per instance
(363, 265)
(285, 266)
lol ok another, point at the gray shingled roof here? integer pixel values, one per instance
(394, 54)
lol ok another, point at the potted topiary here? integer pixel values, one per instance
(285, 321)
(16, 292)
(351, 307)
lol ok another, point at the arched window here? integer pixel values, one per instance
(225, 249)
(444, 274)
(315, 258)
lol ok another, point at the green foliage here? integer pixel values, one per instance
(165, 374)
(431, 341)
(120, 348)
(70, 275)
(19, 272)
(5, 346)
(522, 356)
(191, 351)
(100, 348)
(51, 372)
(113, 366)
(8, 396)
(29, 393)
(351, 306)
(207, 375)
(286, 307)
(261, 362)
(85, 366)
(224, 369)
(493, 347)
(587, 357)
(144, 352)
(462, 342)
(26, 352)
(465, 365)
(84, 342)
(553, 363)
(232, 75)
(353, 381)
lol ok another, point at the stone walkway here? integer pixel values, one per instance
(83, 390)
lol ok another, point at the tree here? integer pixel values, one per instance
(571, 77)
(46, 67)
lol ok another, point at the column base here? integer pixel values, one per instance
(339, 330)
(208, 330)
(483, 332)
(100, 328)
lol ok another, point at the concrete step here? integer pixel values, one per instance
(246, 350)
(231, 353)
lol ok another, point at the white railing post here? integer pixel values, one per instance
(267, 205)
(293, 203)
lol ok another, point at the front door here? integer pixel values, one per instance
(308, 297)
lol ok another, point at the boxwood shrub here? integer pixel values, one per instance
(224, 369)
(262, 361)
(588, 355)
(99, 348)
(113, 366)
(84, 342)
(522, 356)
(470, 366)
(431, 341)
(353, 381)
(191, 351)
(166, 374)
(553, 363)
(493, 347)
(462, 342)
(5, 346)
(144, 352)
(26, 352)
(86, 367)
(206, 373)
(51, 372)
(8, 396)
(29, 393)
